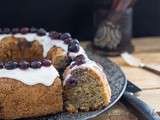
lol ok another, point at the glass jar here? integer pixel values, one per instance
(113, 22)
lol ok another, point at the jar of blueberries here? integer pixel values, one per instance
(113, 23)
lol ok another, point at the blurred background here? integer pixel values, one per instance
(75, 16)
(78, 17)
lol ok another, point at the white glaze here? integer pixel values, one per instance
(4, 35)
(29, 37)
(81, 51)
(89, 64)
(43, 75)
(45, 41)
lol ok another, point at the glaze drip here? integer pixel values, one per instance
(43, 75)
(88, 64)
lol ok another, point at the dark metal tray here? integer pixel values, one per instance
(117, 83)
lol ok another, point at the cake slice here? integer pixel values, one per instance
(85, 86)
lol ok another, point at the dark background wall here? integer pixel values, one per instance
(74, 16)
(146, 18)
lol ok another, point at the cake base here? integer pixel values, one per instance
(18, 100)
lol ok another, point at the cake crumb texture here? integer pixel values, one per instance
(18, 100)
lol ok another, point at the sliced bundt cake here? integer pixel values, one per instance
(85, 86)
(29, 81)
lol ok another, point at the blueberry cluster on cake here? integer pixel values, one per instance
(30, 84)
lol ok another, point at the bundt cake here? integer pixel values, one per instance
(85, 86)
(31, 62)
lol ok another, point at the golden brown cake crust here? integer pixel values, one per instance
(18, 100)
(58, 57)
(13, 48)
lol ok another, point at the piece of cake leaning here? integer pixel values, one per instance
(85, 85)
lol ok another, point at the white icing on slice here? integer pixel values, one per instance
(43, 75)
(81, 51)
(89, 64)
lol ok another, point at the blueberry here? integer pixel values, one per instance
(11, 65)
(24, 65)
(6, 30)
(72, 81)
(73, 46)
(15, 30)
(46, 62)
(41, 32)
(65, 36)
(24, 30)
(67, 40)
(1, 65)
(80, 59)
(33, 30)
(36, 64)
(54, 35)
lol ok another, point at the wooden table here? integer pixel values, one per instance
(148, 50)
